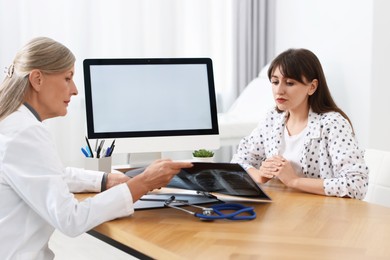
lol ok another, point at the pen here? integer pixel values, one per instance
(103, 152)
(85, 152)
(112, 147)
(99, 149)
(108, 152)
(89, 146)
(89, 152)
(96, 144)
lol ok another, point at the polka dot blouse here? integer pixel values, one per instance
(330, 152)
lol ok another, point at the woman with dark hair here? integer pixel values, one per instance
(307, 142)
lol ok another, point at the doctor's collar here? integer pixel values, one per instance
(33, 111)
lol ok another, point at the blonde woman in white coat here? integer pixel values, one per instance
(36, 191)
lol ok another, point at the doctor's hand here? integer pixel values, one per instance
(114, 179)
(156, 175)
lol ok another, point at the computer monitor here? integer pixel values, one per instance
(152, 105)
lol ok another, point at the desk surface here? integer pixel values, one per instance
(294, 226)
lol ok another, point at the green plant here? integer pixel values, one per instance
(202, 153)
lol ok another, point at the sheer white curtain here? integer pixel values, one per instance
(253, 43)
(126, 28)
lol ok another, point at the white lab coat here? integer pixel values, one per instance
(36, 191)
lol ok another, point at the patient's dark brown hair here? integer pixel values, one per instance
(303, 66)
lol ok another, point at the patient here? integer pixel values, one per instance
(306, 141)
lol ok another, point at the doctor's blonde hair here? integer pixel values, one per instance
(40, 53)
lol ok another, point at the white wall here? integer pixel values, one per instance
(380, 85)
(118, 28)
(350, 38)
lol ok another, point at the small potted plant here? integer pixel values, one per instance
(203, 155)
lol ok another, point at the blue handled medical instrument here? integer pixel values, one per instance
(238, 211)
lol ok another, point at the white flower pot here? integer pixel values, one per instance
(203, 159)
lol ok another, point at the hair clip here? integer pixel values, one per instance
(10, 70)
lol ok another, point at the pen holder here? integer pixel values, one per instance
(98, 164)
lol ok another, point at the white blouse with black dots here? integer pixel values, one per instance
(330, 152)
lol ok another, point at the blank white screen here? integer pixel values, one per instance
(127, 98)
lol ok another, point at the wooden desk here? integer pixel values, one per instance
(294, 226)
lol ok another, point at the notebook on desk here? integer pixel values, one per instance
(226, 181)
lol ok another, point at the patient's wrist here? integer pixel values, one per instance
(294, 183)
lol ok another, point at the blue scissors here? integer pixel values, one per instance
(240, 212)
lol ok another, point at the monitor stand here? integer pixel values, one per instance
(136, 160)
(142, 159)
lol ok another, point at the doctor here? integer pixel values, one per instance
(35, 189)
